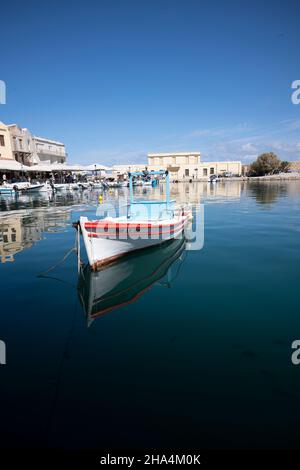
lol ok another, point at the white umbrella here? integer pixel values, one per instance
(97, 167)
(12, 165)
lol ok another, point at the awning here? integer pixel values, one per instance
(12, 165)
(96, 167)
(56, 167)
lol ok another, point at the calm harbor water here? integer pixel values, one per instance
(170, 348)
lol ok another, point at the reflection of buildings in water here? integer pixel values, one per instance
(18, 233)
(194, 192)
(125, 281)
(224, 189)
(198, 192)
(10, 238)
(35, 225)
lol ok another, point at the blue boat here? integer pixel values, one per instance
(7, 191)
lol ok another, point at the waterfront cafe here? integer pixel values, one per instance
(15, 170)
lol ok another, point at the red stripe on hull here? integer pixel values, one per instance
(115, 225)
(151, 232)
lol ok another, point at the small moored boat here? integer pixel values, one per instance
(33, 188)
(7, 191)
(147, 223)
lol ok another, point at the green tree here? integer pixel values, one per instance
(265, 164)
(284, 166)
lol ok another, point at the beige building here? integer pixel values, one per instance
(22, 144)
(5, 143)
(188, 165)
(29, 149)
(48, 151)
(294, 165)
(183, 166)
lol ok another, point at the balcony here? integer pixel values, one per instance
(52, 152)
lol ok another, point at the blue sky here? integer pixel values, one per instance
(117, 79)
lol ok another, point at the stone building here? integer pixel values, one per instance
(29, 149)
(21, 143)
(5, 143)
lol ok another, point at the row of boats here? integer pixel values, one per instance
(26, 187)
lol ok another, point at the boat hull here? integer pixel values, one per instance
(107, 242)
(7, 191)
(33, 189)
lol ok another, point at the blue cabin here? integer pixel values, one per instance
(150, 210)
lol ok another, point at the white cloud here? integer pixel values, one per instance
(252, 149)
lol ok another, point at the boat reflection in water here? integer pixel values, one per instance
(125, 281)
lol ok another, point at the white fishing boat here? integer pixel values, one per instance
(213, 179)
(66, 186)
(12, 188)
(47, 187)
(61, 186)
(114, 184)
(84, 185)
(19, 185)
(147, 223)
(33, 188)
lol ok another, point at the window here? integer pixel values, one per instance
(212, 170)
(204, 171)
(187, 172)
(20, 143)
(2, 143)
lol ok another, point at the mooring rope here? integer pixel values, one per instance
(75, 248)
